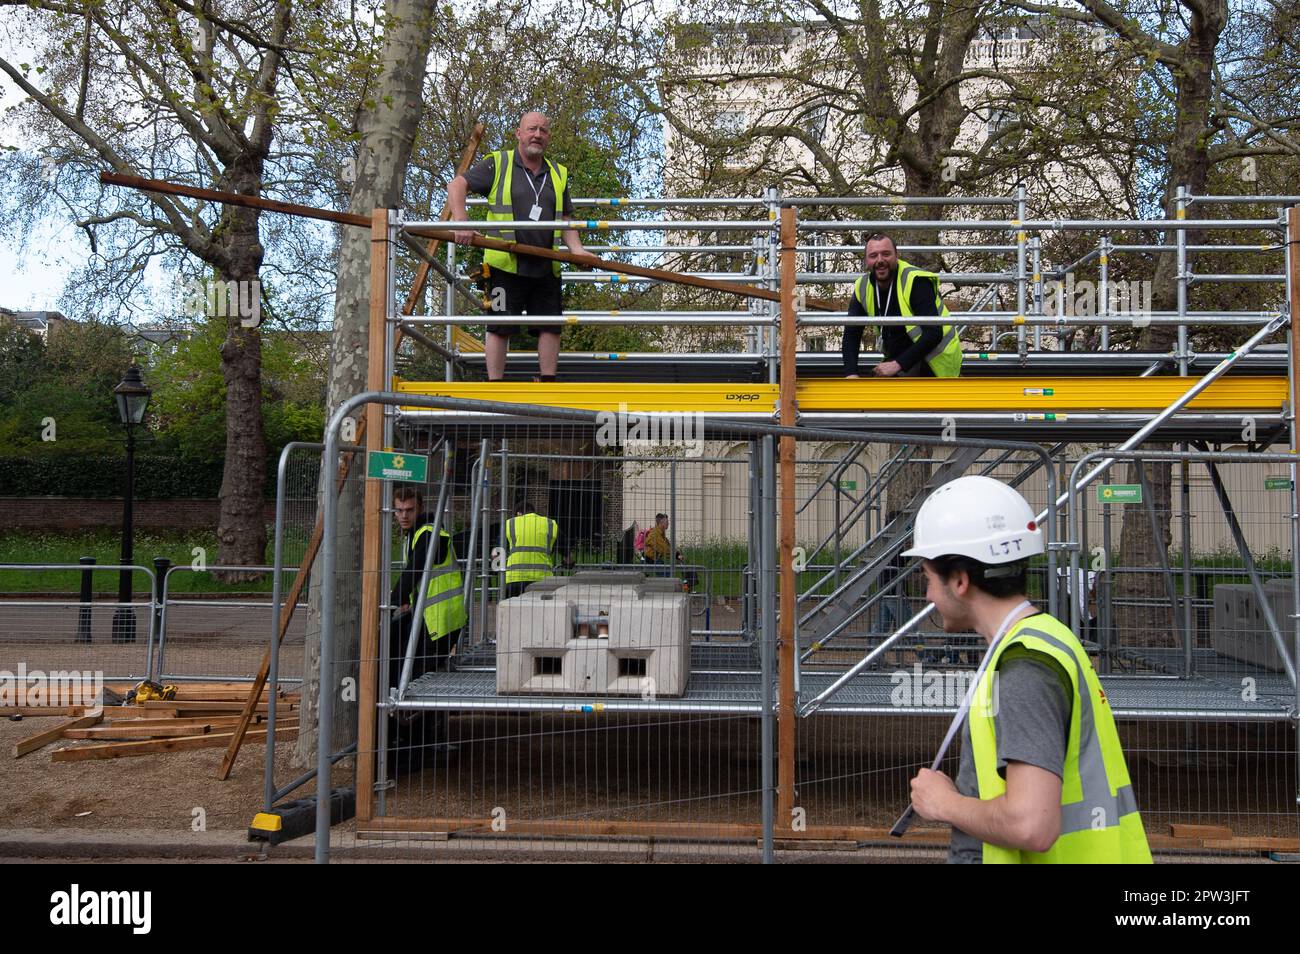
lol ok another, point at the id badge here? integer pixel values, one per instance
(535, 213)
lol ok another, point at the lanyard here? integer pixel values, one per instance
(905, 819)
(537, 191)
(888, 301)
(975, 681)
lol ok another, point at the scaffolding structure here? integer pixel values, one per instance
(798, 655)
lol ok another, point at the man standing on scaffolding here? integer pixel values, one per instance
(892, 287)
(521, 184)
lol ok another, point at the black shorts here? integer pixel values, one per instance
(525, 296)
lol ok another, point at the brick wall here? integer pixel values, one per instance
(79, 513)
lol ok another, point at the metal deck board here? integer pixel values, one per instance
(738, 693)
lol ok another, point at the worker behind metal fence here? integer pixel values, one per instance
(895, 287)
(531, 540)
(1042, 776)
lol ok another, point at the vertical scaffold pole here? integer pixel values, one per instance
(386, 505)
(1038, 291)
(449, 305)
(1293, 299)
(789, 590)
(380, 244)
(769, 333)
(1103, 287)
(764, 499)
(1184, 468)
(1022, 275)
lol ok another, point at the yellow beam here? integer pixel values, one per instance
(611, 396)
(1040, 394)
(1035, 395)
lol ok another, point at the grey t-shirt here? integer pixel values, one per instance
(1032, 725)
(523, 194)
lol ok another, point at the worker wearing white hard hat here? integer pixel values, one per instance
(1042, 776)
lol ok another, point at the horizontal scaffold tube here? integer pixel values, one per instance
(902, 200)
(657, 203)
(1043, 225)
(740, 319)
(591, 225)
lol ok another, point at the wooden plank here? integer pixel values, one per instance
(1252, 843)
(605, 827)
(119, 750)
(229, 706)
(34, 742)
(586, 259)
(1200, 831)
(217, 722)
(39, 711)
(231, 198)
(786, 719)
(128, 731)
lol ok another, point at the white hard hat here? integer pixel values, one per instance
(976, 517)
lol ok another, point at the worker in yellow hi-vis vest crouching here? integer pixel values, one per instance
(893, 287)
(442, 618)
(1042, 777)
(531, 541)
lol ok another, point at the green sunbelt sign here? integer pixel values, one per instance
(1119, 493)
(383, 465)
(1277, 483)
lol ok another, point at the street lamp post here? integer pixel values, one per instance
(132, 397)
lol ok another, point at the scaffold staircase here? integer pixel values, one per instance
(869, 562)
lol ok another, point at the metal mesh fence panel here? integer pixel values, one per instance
(60, 617)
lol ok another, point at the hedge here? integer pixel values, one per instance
(157, 476)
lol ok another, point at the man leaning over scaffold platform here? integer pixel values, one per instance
(893, 287)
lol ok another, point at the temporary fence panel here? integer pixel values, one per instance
(67, 617)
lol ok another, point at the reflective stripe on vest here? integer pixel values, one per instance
(501, 209)
(444, 601)
(1099, 817)
(526, 535)
(945, 358)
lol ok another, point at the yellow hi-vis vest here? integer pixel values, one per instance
(500, 209)
(1099, 816)
(444, 603)
(530, 539)
(945, 359)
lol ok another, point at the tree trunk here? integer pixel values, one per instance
(387, 134)
(241, 531)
